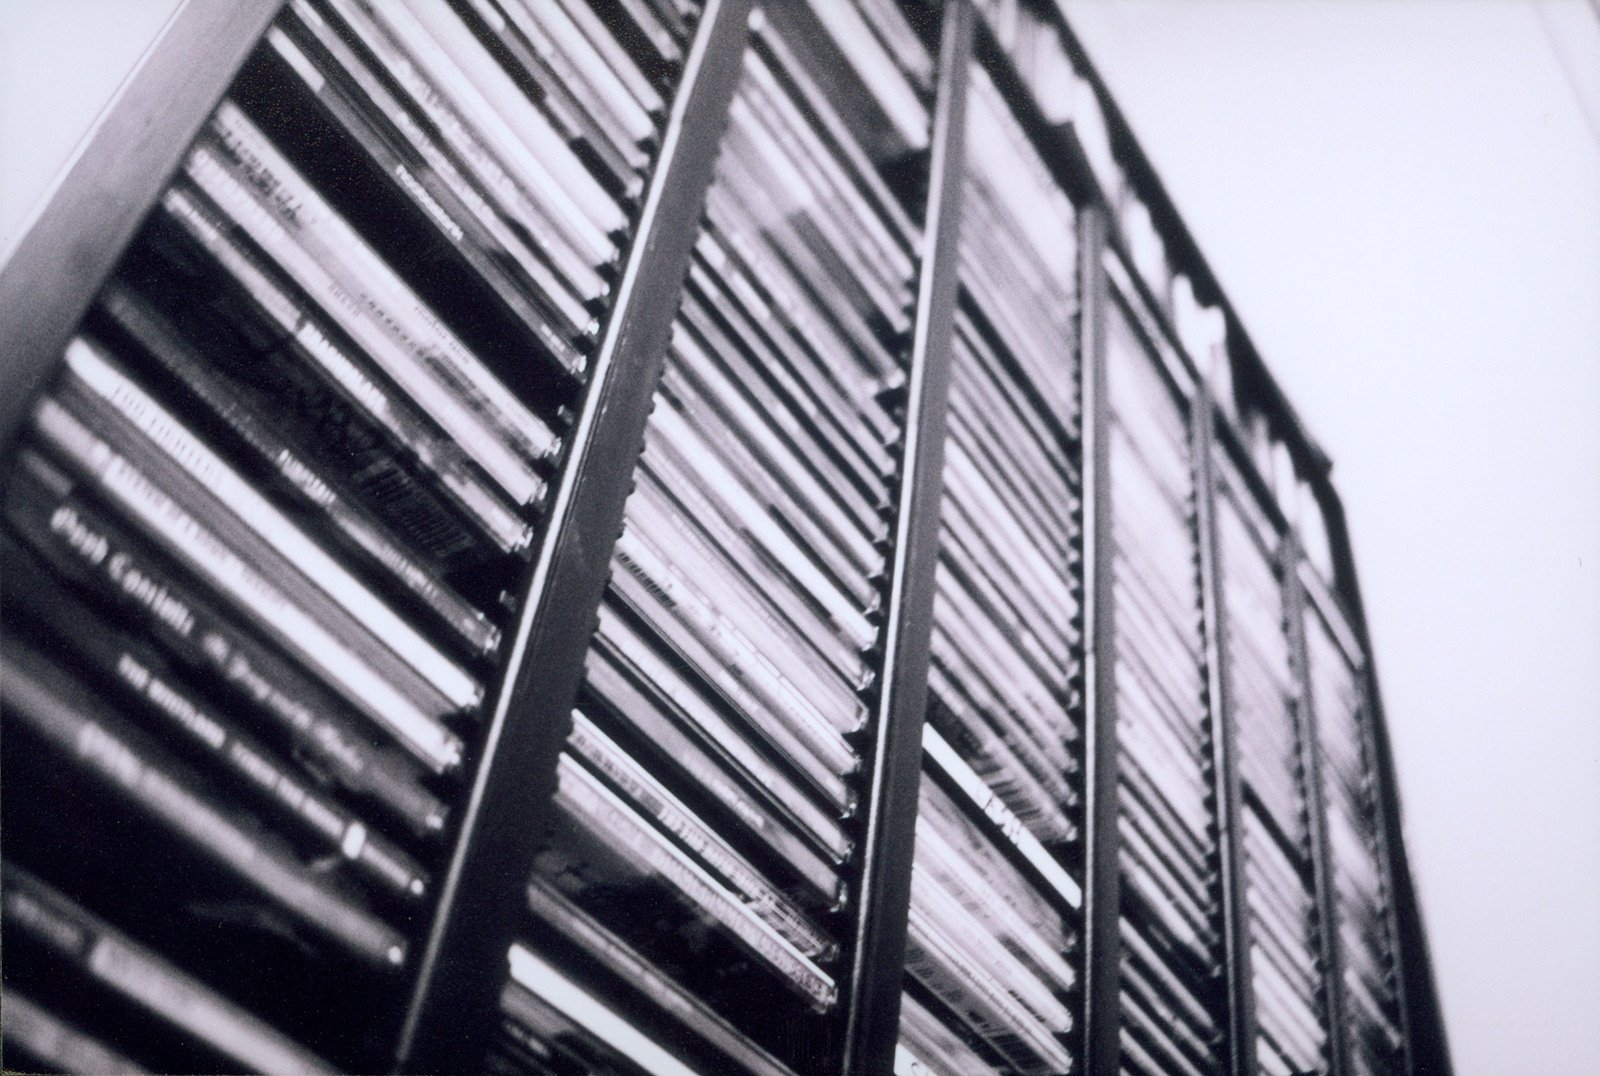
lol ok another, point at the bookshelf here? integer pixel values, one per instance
(629, 558)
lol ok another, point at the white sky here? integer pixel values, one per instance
(1402, 199)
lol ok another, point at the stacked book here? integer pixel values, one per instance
(1172, 988)
(992, 939)
(264, 535)
(1363, 922)
(1286, 967)
(706, 814)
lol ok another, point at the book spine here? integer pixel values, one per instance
(297, 474)
(109, 956)
(97, 743)
(204, 553)
(650, 798)
(84, 546)
(617, 826)
(438, 455)
(251, 510)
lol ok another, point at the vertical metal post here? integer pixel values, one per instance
(1102, 1009)
(1413, 977)
(883, 895)
(463, 964)
(1241, 1023)
(1316, 811)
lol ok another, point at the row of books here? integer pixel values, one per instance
(702, 851)
(1169, 898)
(1288, 979)
(1286, 967)
(991, 952)
(1362, 908)
(272, 513)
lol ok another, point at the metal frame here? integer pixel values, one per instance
(122, 166)
(463, 966)
(1316, 811)
(1253, 382)
(1102, 1006)
(1241, 1023)
(1419, 997)
(53, 274)
(883, 895)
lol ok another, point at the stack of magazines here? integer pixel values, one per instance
(1172, 990)
(267, 529)
(1286, 974)
(706, 806)
(1361, 902)
(991, 946)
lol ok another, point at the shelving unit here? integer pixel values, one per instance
(661, 535)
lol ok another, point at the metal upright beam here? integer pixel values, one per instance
(1316, 810)
(463, 965)
(1102, 1007)
(1241, 1022)
(122, 167)
(877, 963)
(1427, 1049)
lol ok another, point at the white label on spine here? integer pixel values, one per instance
(939, 749)
(433, 743)
(260, 516)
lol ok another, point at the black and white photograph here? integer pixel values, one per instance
(800, 537)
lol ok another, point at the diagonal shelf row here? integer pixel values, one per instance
(275, 510)
(672, 536)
